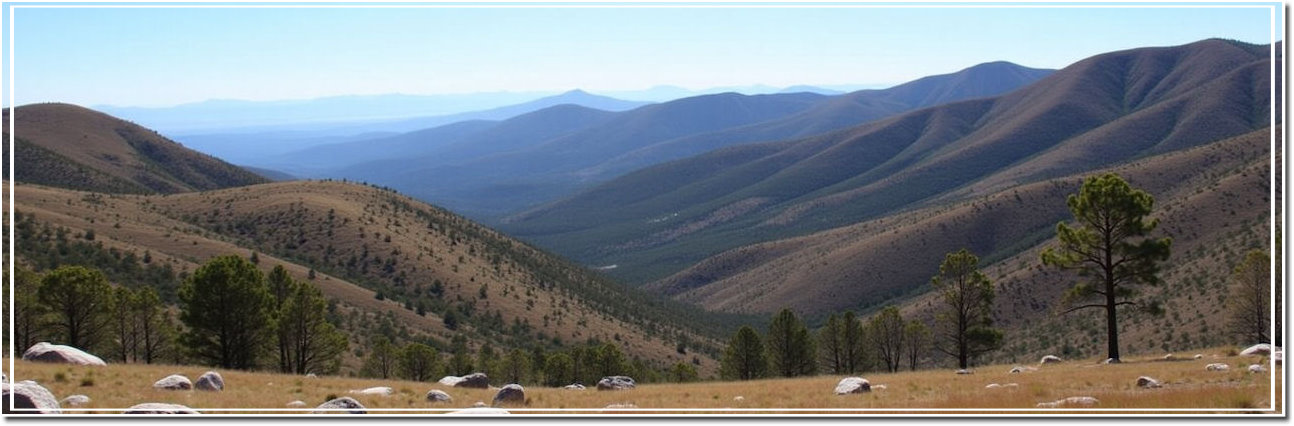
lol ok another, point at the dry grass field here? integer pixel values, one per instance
(1187, 387)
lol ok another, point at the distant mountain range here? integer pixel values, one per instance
(1107, 109)
(517, 166)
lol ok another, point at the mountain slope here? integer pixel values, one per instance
(73, 147)
(1100, 111)
(383, 257)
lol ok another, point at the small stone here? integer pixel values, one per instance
(1111, 361)
(378, 390)
(1257, 368)
(510, 394)
(1148, 382)
(296, 404)
(1198, 356)
(1217, 367)
(621, 406)
(574, 386)
(210, 381)
(344, 404)
(965, 371)
(173, 382)
(850, 385)
(738, 398)
(437, 395)
(1050, 359)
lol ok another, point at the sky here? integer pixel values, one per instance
(160, 56)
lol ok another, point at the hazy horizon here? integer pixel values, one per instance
(171, 55)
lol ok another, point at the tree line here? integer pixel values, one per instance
(230, 315)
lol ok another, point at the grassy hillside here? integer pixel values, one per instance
(363, 241)
(1186, 386)
(1099, 112)
(73, 147)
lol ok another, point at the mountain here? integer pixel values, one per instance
(447, 144)
(1100, 111)
(261, 145)
(505, 178)
(73, 147)
(381, 257)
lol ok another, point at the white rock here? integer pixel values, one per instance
(965, 371)
(437, 395)
(210, 381)
(1022, 369)
(1069, 402)
(1259, 349)
(878, 387)
(1169, 357)
(297, 403)
(1050, 359)
(173, 382)
(1148, 382)
(1257, 368)
(46, 352)
(850, 385)
(1111, 361)
(616, 383)
(341, 405)
(992, 386)
(621, 406)
(738, 398)
(76, 400)
(1198, 356)
(574, 386)
(1217, 367)
(28, 397)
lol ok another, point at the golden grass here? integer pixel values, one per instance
(1186, 386)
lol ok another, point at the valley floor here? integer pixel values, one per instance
(1187, 389)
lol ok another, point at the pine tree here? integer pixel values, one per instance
(830, 339)
(790, 347)
(516, 366)
(419, 362)
(31, 319)
(1249, 300)
(916, 339)
(228, 309)
(81, 302)
(965, 320)
(382, 360)
(857, 351)
(744, 359)
(885, 331)
(559, 370)
(311, 344)
(1111, 242)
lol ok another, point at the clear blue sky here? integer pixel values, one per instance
(164, 56)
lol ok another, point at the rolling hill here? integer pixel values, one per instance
(391, 264)
(518, 167)
(1101, 111)
(73, 147)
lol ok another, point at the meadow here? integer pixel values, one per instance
(1187, 388)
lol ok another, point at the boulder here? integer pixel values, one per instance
(616, 383)
(1148, 382)
(1217, 367)
(1070, 402)
(574, 386)
(1259, 349)
(210, 381)
(1257, 368)
(173, 382)
(159, 408)
(510, 395)
(45, 352)
(1198, 356)
(75, 400)
(378, 390)
(479, 411)
(28, 397)
(474, 380)
(850, 385)
(344, 404)
(965, 371)
(1050, 359)
(437, 395)
(296, 404)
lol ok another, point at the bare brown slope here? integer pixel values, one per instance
(363, 239)
(863, 265)
(77, 148)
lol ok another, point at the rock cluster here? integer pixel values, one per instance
(616, 383)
